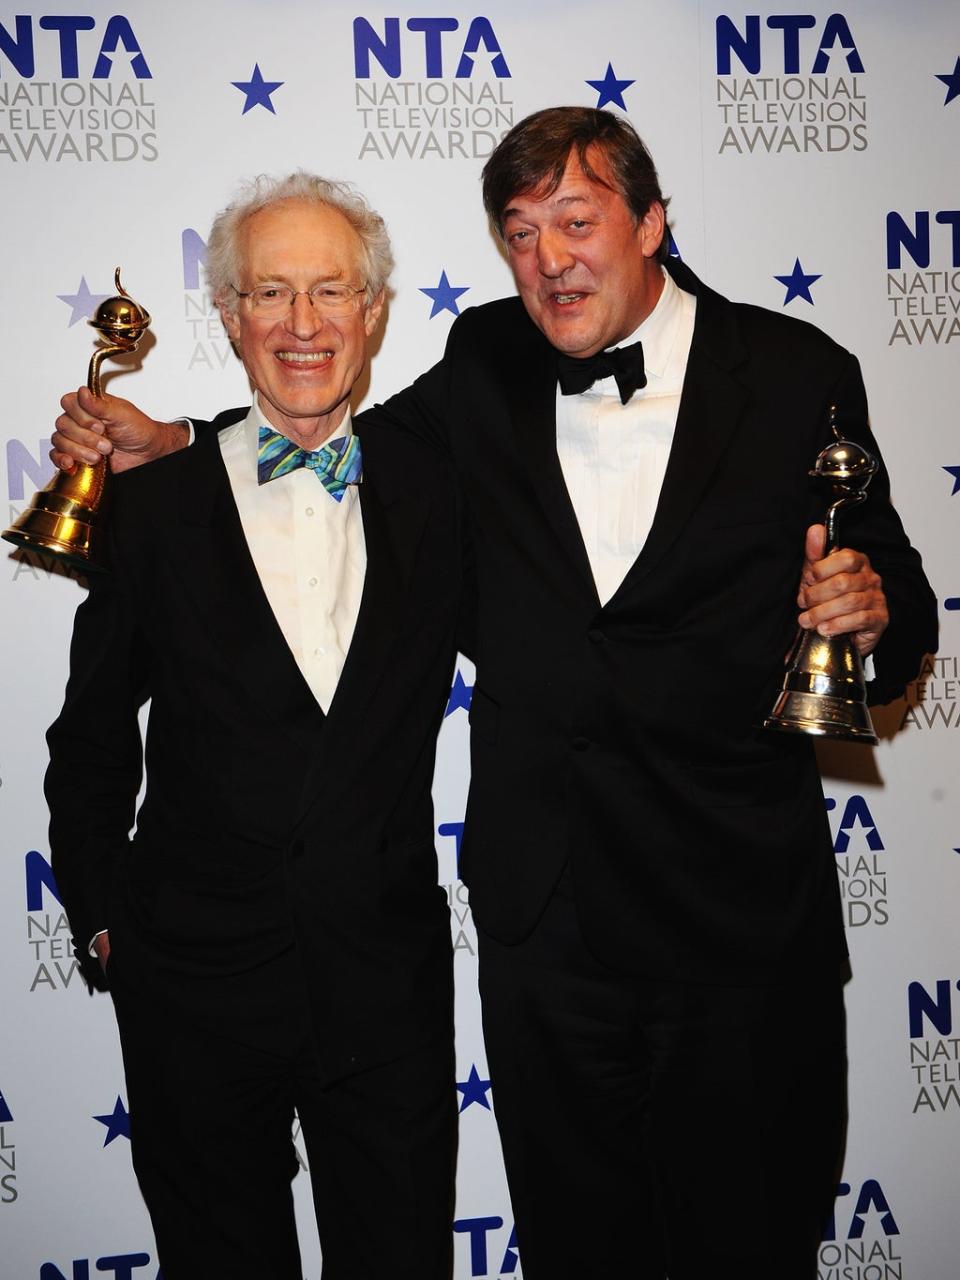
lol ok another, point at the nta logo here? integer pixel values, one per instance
(39, 876)
(478, 1229)
(862, 874)
(20, 48)
(387, 49)
(747, 45)
(936, 1009)
(934, 1059)
(121, 1266)
(855, 813)
(871, 1197)
(916, 240)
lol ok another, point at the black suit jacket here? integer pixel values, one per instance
(264, 822)
(625, 739)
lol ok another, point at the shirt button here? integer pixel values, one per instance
(313, 582)
(581, 744)
(309, 511)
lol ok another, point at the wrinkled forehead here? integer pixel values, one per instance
(297, 237)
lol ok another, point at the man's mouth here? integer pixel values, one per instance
(566, 299)
(304, 357)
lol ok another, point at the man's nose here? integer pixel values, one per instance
(304, 319)
(553, 254)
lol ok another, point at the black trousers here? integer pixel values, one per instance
(211, 1116)
(655, 1129)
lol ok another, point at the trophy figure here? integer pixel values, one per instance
(823, 690)
(65, 519)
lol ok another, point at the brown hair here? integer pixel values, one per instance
(534, 154)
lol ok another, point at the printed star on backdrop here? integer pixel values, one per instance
(257, 90)
(610, 89)
(955, 472)
(797, 284)
(83, 302)
(6, 1116)
(124, 64)
(444, 296)
(474, 1090)
(461, 695)
(952, 80)
(117, 1123)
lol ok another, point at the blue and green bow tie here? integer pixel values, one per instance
(336, 465)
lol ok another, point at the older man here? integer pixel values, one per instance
(273, 934)
(651, 874)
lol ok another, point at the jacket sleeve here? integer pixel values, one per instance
(96, 758)
(876, 529)
(420, 410)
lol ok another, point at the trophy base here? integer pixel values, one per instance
(822, 716)
(68, 539)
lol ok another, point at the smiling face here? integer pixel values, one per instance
(585, 269)
(303, 364)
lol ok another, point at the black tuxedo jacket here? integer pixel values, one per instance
(624, 739)
(265, 823)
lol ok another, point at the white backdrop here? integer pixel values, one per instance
(820, 147)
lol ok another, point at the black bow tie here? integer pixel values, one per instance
(623, 363)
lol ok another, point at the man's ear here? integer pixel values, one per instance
(652, 227)
(372, 318)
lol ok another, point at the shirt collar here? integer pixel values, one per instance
(659, 330)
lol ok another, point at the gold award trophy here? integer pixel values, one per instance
(824, 691)
(65, 519)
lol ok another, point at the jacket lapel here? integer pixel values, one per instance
(531, 391)
(710, 409)
(232, 609)
(393, 523)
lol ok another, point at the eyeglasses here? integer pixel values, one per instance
(329, 298)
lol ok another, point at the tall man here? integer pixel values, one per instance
(273, 934)
(651, 874)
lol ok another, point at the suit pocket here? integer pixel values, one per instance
(484, 716)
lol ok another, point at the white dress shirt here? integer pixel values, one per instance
(614, 456)
(309, 552)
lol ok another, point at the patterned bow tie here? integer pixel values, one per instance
(623, 363)
(336, 465)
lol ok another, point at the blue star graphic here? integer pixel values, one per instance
(474, 1090)
(952, 80)
(83, 302)
(257, 90)
(117, 1123)
(955, 472)
(610, 89)
(444, 296)
(461, 695)
(5, 1114)
(797, 284)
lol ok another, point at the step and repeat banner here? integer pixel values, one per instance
(812, 160)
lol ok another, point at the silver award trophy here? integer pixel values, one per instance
(823, 689)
